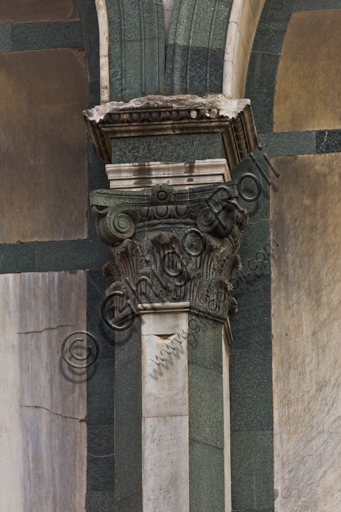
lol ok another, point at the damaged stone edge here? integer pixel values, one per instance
(174, 115)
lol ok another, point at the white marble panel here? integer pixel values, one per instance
(164, 319)
(306, 312)
(164, 375)
(42, 408)
(165, 466)
(103, 27)
(135, 176)
(165, 435)
(241, 31)
(167, 12)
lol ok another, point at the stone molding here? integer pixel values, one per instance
(164, 307)
(243, 23)
(138, 176)
(174, 115)
(172, 246)
(103, 27)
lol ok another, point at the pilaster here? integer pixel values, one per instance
(175, 245)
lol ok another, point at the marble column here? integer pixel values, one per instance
(174, 253)
(165, 406)
(174, 230)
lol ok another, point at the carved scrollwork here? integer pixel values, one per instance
(172, 246)
(218, 214)
(115, 224)
(163, 269)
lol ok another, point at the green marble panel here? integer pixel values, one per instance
(96, 287)
(206, 477)
(101, 392)
(131, 504)
(116, 70)
(94, 93)
(258, 510)
(45, 36)
(252, 470)
(316, 5)
(206, 421)
(204, 342)
(17, 258)
(101, 500)
(5, 38)
(136, 50)
(197, 74)
(128, 429)
(251, 391)
(168, 148)
(251, 326)
(258, 209)
(181, 22)
(100, 470)
(196, 46)
(328, 141)
(88, 17)
(200, 23)
(220, 25)
(272, 26)
(177, 69)
(134, 72)
(215, 71)
(71, 255)
(131, 20)
(193, 70)
(128, 344)
(197, 33)
(104, 501)
(260, 88)
(286, 144)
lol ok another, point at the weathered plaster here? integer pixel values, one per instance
(44, 146)
(308, 88)
(33, 11)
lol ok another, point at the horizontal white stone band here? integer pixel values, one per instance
(137, 176)
(164, 307)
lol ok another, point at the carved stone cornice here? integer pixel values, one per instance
(172, 246)
(172, 115)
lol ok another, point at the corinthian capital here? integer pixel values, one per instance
(172, 245)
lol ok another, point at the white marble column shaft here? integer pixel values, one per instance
(165, 412)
